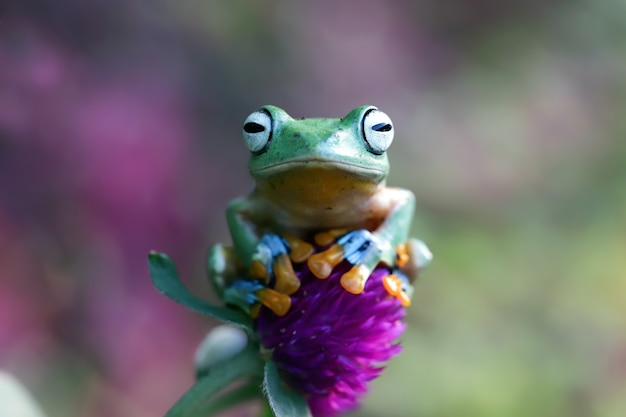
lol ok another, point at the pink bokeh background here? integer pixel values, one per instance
(119, 134)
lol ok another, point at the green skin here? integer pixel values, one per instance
(316, 175)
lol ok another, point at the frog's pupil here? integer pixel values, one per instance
(252, 127)
(382, 127)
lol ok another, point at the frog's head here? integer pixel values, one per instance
(353, 147)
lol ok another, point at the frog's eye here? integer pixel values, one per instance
(377, 131)
(257, 131)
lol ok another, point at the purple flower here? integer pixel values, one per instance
(331, 342)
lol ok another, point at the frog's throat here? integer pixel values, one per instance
(375, 174)
(319, 195)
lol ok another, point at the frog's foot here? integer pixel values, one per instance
(412, 257)
(397, 285)
(222, 267)
(354, 280)
(272, 259)
(360, 248)
(248, 294)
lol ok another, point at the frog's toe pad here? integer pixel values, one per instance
(326, 238)
(286, 280)
(321, 264)
(393, 285)
(402, 255)
(354, 280)
(277, 302)
(300, 250)
(259, 271)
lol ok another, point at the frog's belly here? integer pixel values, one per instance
(321, 199)
(301, 220)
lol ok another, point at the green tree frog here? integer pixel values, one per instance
(320, 180)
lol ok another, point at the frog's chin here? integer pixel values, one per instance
(305, 188)
(301, 166)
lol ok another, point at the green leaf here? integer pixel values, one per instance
(283, 401)
(166, 280)
(198, 400)
(237, 396)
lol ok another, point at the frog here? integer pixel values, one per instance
(321, 177)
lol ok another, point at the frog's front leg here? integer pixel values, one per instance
(364, 249)
(361, 248)
(265, 255)
(245, 217)
(225, 273)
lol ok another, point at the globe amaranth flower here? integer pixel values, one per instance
(331, 343)
(306, 327)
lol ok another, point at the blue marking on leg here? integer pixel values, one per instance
(242, 293)
(275, 244)
(360, 247)
(269, 248)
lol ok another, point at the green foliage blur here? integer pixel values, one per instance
(510, 128)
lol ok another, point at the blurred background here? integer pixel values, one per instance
(120, 133)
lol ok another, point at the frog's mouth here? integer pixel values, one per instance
(310, 184)
(300, 166)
